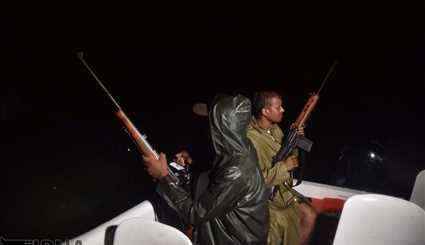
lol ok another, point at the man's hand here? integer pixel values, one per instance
(156, 168)
(183, 158)
(291, 162)
(300, 129)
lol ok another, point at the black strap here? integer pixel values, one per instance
(109, 234)
(302, 155)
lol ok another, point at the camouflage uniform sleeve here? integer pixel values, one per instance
(275, 175)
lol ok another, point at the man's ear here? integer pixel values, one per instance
(265, 111)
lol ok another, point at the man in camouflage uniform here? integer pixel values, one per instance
(286, 209)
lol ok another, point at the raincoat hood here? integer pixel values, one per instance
(229, 118)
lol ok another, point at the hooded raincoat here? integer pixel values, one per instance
(234, 208)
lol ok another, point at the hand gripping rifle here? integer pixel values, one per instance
(292, 140)
(140, 141)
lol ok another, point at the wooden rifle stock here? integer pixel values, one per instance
(307, 110)
(140, 140)
(142, 144)
(312, 101)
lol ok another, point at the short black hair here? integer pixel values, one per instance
(262, 100)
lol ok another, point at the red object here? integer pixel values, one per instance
(327, 205)
(189, 232)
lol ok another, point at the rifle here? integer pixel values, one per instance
(292, 140)
(140, 141)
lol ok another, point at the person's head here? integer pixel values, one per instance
(229, 118)
(267, 105)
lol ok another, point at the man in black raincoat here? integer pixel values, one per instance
(233, 209)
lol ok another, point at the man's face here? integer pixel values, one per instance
(274, 112)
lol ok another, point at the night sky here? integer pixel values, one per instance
(68, 166)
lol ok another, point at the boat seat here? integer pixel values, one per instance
(372, 219)
(137, 231)
(418, 192)
(101, 234)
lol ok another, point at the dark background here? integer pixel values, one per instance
(67, 166)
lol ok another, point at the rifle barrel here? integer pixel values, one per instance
(327, 75)
(80, 56)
